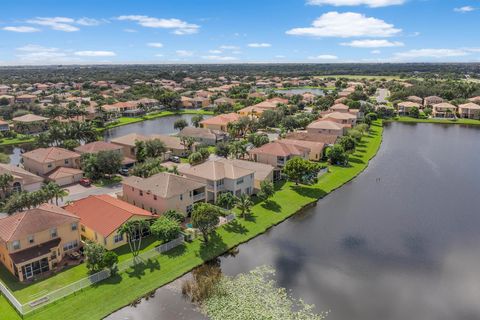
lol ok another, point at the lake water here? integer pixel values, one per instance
(401, 241)
(315, 91)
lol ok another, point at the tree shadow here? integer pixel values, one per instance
(114, 279)
(175, 252)
(309, 192)
(271, 206)
(250, 217)
(356, 160)
(212, 248)
(138, 270)
(235, 227)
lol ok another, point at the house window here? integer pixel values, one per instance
(16, 244)
(70, 245)
(49, 165)
(66, 161)
(17, 187)
(181, 197)
(154, 197)
(239, 181)
(141, 193)
(189, 210)
(74, 226)
(190, 194)
(31, 240)
(220, 183)
(118, 238)
(53, 232)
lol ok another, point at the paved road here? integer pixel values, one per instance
(76, 194)
(382, 95)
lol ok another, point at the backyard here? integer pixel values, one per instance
(98, 301)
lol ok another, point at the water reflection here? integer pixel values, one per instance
(404, 246)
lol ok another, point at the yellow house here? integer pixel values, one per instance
(35, 241)
(101, 217)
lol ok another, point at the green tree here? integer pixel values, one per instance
(175, 215)
(301, 170)
(348, 143)
(267, 190)
(180, 124)
(94, 253)
(154, 148)
(226, 200)
(6, 180)
(187, 142)
(109, 261)
(337, 155)
(166, 229)
(140, 152)
(195, 158)
(134, 231)
(196, 119)
(205, 217)
(414, 112)
(222, 149)
(244, 204)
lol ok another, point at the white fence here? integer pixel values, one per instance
(63, 292)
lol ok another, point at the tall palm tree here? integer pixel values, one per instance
(5, 181)
(133, 229)
(244, 204)
(52, 191)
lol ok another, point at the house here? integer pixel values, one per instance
(346, 119)
(475, 99)
(22, 179)
(315, 148)
(9, 99)
(432, 100)
(261, 171)
(173, 144)
(415, 99)
(101, 217)
(203, 135)
(35, 241)
(221, 176)
(469, 110)
(219, 122)
(339, 107)
(4, 89)
(277, 153)
(127, 142)
(304, 135)
(224, 101)
(25, 98)
(59, 165)
(4, 126)
(186, 102)
(326, 127)
(444, 110)
(97, 146)
(406, 107)
(164, 191)
(200, 102)
(30, 123)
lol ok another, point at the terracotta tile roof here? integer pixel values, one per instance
(215, 170)
(303, 135)
(325, 124)
(97, 146)
(29, 118)
(105, 214)
(261, 170)
(129, 139)
(445, 105)
(278, 148)
(339, 106)
(44, 217)
(409, 104)
(304, 143)
(469, 105)
(221, 119)
(171, 142)
(20, 173)
(340, 116)
(50, 154)
(62, 172)
(164, 185)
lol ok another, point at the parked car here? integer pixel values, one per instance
(85, 182)
(124, 172)
(175, 159)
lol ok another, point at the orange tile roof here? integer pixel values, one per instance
(50, 154)
(105, 214)
(280, 149)
(222, 119)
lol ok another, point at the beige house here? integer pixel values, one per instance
(98, 146)
(22, 179)
(127, 142)
(444, 110)
(164, 191)
(219, 122)
(469, 110)
(59, 165)
(326, 127)
(30, 123)
(203, 136)
(221, 176)
(432, 100)
(346, 119)
(406, 107)
(262, 171)
(315, 148)
(101, 217)
(9, 99)
(277, 153)
(35, 241)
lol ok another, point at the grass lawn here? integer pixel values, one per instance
(107, 182)
(441, 121)
(98, 301)
(10, 141)
(358, 77)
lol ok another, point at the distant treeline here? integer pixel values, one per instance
(127, 73)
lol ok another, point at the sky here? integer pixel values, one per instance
(49, 32)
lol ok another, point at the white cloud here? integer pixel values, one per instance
(179, 27)
(378, 43)
(215, 51)
(155, 44)
(92, 53)
(229, 47)
(259, 45)
(130, 30)
(184, 53)
(375, 52)
(324, 57)
(88, 22)
(432, 53)
(220, 58)
(346, 25)
(64, 23)
(370, 3)
(22, 29)
(36, 54)
(465, 9)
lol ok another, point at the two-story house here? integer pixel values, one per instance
(54, 164)
(221, 176)
(33, 242)
(277, 153)
(164, 191)
(22, 179)
(219, 122)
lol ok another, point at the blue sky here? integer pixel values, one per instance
(235, 31)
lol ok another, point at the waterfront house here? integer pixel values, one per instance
(444, 110)
(35, 241)
(469, 110)
(404, 108)
(219, 122)
(98, 146)
(261, 171)
(432, 100)
(315, 148)
(277, 153)
(164, 191)
(221, 176)
(25, 98)
(55, 164)
(127, 142)
(326, 127)
(203, 135)
(30, 123)
(415, 99)
(346, 119)
(101, 217)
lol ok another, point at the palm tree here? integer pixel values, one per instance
(5, 180)
(244, 204)
(133, 229)
(187, 142)
(54, 191)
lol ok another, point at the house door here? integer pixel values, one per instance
(28, 272)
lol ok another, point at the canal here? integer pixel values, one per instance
(401, 241)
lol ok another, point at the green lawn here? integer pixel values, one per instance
(107, 181)
(98, 301)
(441, 121)
(11, 141)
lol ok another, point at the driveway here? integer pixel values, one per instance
(382, 95)
(77, 192)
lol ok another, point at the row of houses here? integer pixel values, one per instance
(468, 110)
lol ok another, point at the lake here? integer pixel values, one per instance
(401, 241)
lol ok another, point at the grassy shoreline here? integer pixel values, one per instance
(469, 122)
(114, 293)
